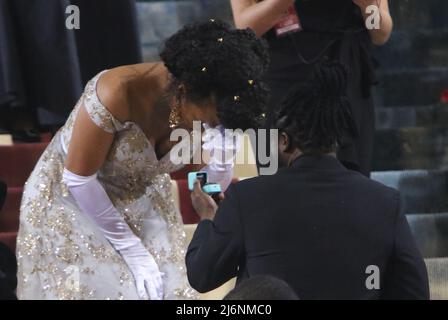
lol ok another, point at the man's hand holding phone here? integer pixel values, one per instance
(203, 203)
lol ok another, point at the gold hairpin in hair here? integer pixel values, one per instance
(251, 82)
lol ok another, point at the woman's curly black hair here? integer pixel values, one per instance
(214, 60)
(317, 113)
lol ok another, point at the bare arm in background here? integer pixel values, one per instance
(379, 36)
(261, 16)
(258, 16)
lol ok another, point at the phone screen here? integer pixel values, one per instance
(202, 177)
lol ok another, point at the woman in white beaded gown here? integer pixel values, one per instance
(97, 216)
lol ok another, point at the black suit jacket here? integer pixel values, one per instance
(316, 225)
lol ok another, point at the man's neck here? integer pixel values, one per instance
(297, 154)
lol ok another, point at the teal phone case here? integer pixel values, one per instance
(212, 188)
(192, 176)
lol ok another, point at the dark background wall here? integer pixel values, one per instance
(412, 123)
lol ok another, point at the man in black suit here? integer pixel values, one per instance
(329, 232)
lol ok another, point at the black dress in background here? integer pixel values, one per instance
(45, 65)
(332, 30)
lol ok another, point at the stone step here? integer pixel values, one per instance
(220, 9)
(417, 14)
(422, 191)
(431, 233)
(406, 86)
(414, 116)
(411, 148)
(158, 20)
(417, 48)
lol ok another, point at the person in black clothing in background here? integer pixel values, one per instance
(3, 189)
(8, 271)
(312, 31)
(8, 263)
(320, 226)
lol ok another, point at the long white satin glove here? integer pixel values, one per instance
(148, 278)
(223, 153)
(94, 201)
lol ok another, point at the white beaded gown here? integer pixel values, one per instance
(62, 254)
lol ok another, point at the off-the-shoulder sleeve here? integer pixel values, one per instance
(99, 114)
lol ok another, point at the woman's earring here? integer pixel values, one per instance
(174, 118)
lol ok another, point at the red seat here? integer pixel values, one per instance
(189, 215)
(9, 238)
(18, 161)
(9, 215)
(182, 173)
(46, 137)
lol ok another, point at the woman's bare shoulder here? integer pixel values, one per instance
(114, 91)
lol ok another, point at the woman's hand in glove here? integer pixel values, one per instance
(147, 276)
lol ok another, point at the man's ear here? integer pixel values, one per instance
(284, 142)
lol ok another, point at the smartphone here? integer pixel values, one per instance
(209, 188)
(193, 176)
(212, 188)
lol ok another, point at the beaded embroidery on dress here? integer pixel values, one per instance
(62, 254)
